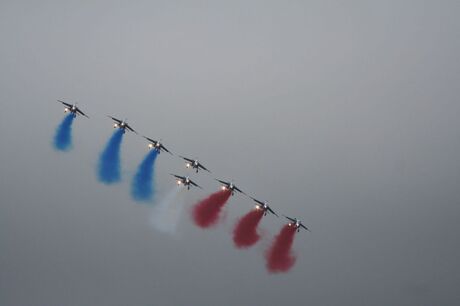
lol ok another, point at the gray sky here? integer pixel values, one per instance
(343, 113)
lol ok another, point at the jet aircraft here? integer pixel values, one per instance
(156, 145)
(72, 108)
(296, 223)
(194, 164)
(186, 181)
(229, 186)
(121, 124)
(264, 206)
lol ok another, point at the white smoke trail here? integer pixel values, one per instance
(166, 215)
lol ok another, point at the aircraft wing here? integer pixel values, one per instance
(115, 119)
(187, 159)
(150, 139)
(257, 201)
(163, 147)
(195, 184)
(304, 227)
(293, 220)
(130, 128)
(65, 103)
(178, 176)
(203, 167)
(238, 189)
(271, 210)
(81, 113)
(223, 182)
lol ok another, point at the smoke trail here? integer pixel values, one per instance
(166, 215)
(142, 188)
(245, 232)
(278, 256)
(206, 212)
(63, 137)
(109, 161)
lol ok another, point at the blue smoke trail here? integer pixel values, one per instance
(109, 161)
(142, 186)
(63, 137)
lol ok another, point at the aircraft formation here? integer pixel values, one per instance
(190, 163)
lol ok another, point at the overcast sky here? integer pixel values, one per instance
(341, 113)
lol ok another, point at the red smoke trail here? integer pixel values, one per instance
(245, 232)
(206, 212)
(279, 257)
